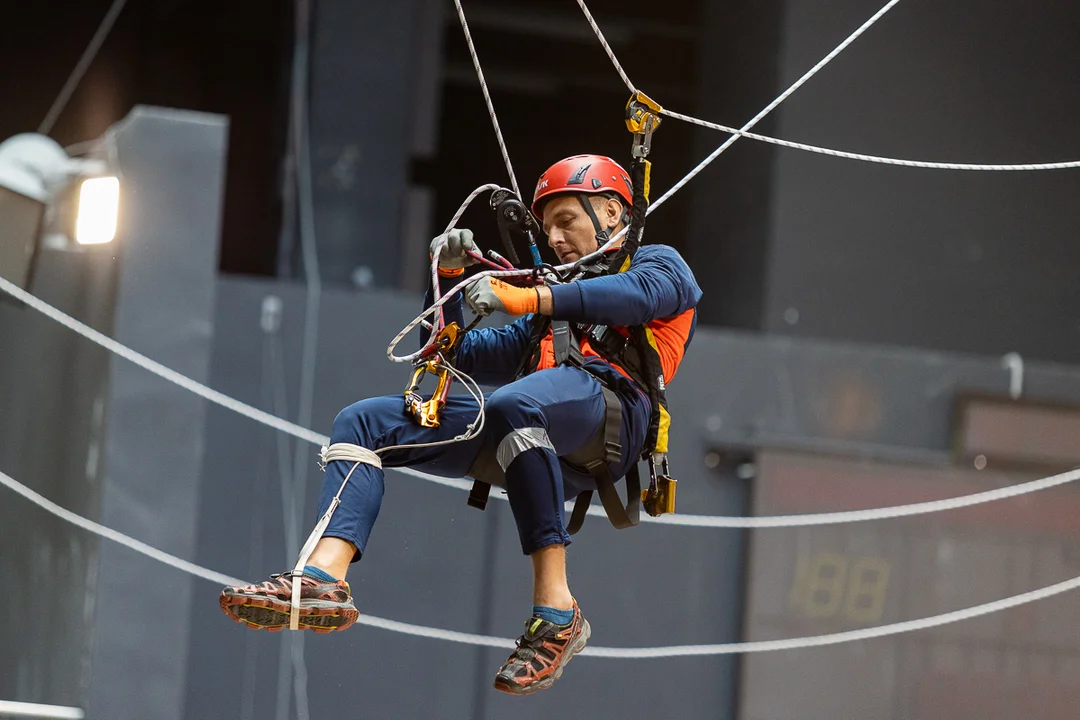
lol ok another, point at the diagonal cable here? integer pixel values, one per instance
(81, 67)
(487, 99)
(999, 167)
(771, 106)
(277, 423)
(607, 46)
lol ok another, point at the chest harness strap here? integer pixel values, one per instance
(637, 354)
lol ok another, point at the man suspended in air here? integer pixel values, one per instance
(581, 375)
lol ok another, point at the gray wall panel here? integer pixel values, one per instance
(53, 387)
(958, 261)
(172, 179)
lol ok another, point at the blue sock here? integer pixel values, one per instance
(312, 571)
(559, 617)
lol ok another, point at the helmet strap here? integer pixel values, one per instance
(601, 232)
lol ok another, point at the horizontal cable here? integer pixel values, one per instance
(875, 158)
(158, 369)
(606, 652)
(814, 148)
(713, 521)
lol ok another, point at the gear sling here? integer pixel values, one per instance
(637, 354)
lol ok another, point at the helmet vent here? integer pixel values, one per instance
(579, 177)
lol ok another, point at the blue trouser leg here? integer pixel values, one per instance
(534, 421)
(530, 424)
(382, 422)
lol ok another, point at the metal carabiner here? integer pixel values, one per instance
(642, 119)
(433, 360)
(659, 498)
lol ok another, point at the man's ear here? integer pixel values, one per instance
(614, 210)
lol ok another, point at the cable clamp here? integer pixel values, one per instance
(642, 119)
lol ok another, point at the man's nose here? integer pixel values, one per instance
(555, 237)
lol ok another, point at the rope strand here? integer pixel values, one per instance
(487, 98)
(815, 148)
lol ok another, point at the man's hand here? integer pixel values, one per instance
(488, 295)
(454, 255)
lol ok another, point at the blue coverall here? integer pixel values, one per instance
(532, 422)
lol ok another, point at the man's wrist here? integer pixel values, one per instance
(544, 304)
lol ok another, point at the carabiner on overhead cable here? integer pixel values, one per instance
(434, 359)
(515, 222)
(642, 118)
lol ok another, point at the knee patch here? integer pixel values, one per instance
(518, 441)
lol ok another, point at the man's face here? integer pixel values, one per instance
(570, 230)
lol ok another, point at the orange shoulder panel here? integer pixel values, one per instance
(671, 335)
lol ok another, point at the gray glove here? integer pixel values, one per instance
(481, 298)
(454, 253)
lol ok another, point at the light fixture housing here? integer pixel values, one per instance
(49, 199)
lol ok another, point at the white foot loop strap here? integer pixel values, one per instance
(337, 451)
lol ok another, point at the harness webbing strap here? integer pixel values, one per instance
(560, 341)
(478, 494)
(602, 449)
(639, 356)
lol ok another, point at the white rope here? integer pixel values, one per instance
(348, 451)
(771, 106)
(841, 637)
(608, 652)
(487, 99)
(117, 537)
(815, 148)
(713, 521)
(607, 47)
(160, 370)
(884, 513)
(81, 67)
(874, 158)
(438, 298)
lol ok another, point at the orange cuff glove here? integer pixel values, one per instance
(488, 295)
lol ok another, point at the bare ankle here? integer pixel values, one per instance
(550, 588)
(333, 555)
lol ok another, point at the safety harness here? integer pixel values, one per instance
(636, 353)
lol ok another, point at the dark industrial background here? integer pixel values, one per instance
(852, 331)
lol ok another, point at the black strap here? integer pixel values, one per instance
(478, 494)
(604, 448)
(577, 517)
(560, 341)
(601, 232)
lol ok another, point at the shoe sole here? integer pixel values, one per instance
(271, 614)
(572, 649)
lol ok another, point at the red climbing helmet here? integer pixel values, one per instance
(592, 174)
